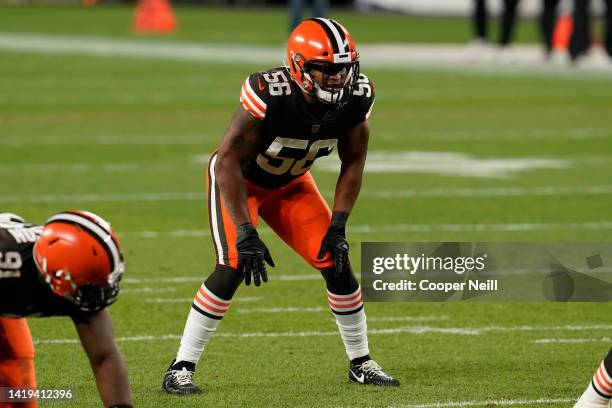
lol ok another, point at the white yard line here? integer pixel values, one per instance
(379, 229)
(527, 58)
(133, 48)
(266, 310)
(573, 341)
(466, 331)
(489, 192)
(105, 140)
(188, 300)
(108, 167)
(396, 330)
(105, 198)
(406, 318)
(174, 279)
(198, 139)
(199, 279)
(528, 328)
(288, 278)
(493, 134)
(444, 163)
(320, 309)
(373, 229)
(367, 192)
(449, 163)
(489, 403)
(185, 300)
(312, 277)
(317, 309)
(246, 299)
(147, 289)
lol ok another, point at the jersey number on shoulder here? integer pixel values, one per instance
(11, 261)
(278, 83)
(363, 87)
(288, 164)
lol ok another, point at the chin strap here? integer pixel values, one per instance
(326, 96)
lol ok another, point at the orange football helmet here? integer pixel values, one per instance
(79, 256)
(324, 45)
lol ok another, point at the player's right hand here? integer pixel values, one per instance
(334, 241)
(252, 253)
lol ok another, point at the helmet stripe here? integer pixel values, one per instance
(103, 236)
(331, 32)
(343, 39)
(337, 38)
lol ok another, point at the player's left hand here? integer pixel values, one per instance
(334, 241)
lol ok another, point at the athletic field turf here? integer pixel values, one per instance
(454, 157)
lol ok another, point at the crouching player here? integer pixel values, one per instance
(289, 117)
(71, 267)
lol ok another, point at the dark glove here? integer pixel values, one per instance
(251, 255)
(334, 241)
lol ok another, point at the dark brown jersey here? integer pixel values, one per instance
(294, 134)
(23, 291)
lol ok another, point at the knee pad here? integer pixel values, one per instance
(344, 284)
(224, 281)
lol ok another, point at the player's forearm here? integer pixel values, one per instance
(112, 380)
(348, 186)
(231, 185)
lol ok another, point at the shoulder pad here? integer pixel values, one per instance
(10, 220)
(364, 91)
(254, 95)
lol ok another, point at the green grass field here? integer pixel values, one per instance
(125, 137)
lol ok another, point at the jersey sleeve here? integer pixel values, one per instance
(255, 95)
(16, 233)
(365, 91)
(11, 220)
(360, 106)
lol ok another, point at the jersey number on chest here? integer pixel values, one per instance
(275, 160)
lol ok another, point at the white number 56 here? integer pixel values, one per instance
(295, 166)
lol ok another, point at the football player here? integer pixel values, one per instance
(71, 266)
(288, 117)
(599, 391)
